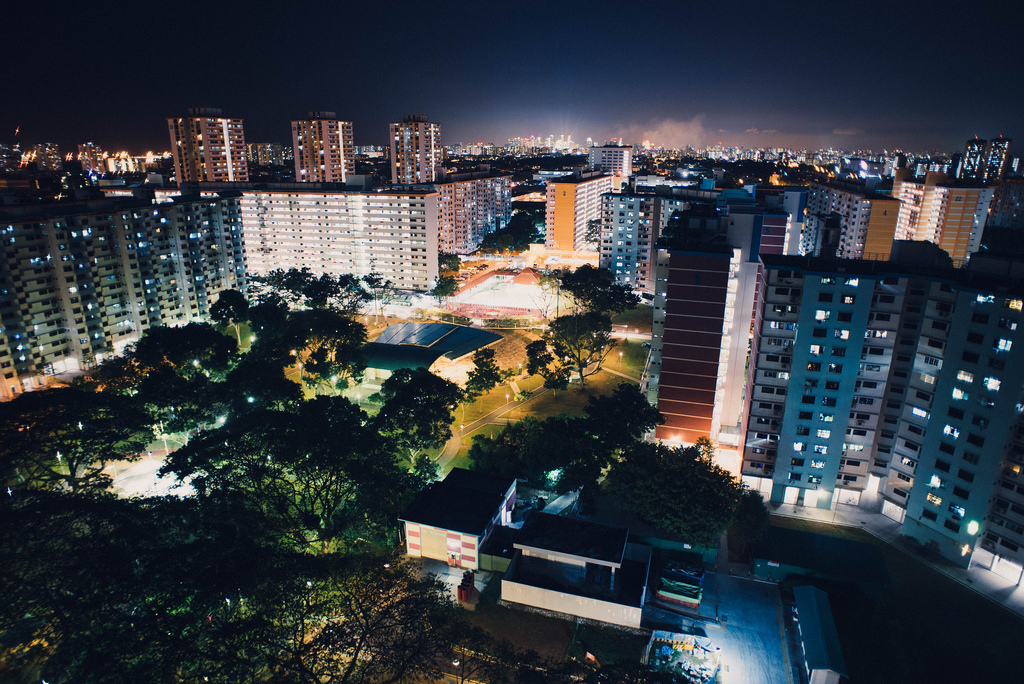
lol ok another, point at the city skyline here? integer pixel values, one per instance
(745, 74)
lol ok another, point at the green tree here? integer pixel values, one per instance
(418, 409)
(320, 475)
(518, 450)
(752, 518)
(66, 438)
(446, 287)
(367, 618)
(231, 308)
(622, 418)
(300, 288)
(448, 263)
(191, 349)
(381, 291)
(485, 374)
(680, 490)
(594, 290)
(331, 346)
(574, 344)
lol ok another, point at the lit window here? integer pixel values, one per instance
(822, 315)
(818, 464)
(820, 449)
(1015, 304)
(852, 282)
(965, 376)
(826, 417)
(958, 511)
(920, 412)
(1003, 344)
(815, 349)
(992, 384)
(959, 393)
(951, 431)
(935, 482)
(799, 446)
(932, 499)
(824, 434)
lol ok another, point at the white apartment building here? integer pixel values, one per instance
(324, 148)
(471, 206)
(614, 160)
(416, 152)
(337, 232)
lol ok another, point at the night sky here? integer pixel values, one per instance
(921, 76)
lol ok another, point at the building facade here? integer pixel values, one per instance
(79, 282)
(470, 207)
(847, 218)
(900, 377)
(330, 230)
(985, 161)
(942, 212)
(615, 160)
(572, 202)
(416, 152)
(324, 148)
(705, 296)
(208, 147)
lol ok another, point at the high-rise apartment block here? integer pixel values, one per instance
(267, 154)
(938, 210)
(303, 225)
(416, 152)
(93, 157)
(47, 156)
(78, 282)
(324, 148)
(208, 147)
(471, 206)
(985, 161)
(615, 160)
(902, 377)
(574, 201)
(849, 221)
(706, 291)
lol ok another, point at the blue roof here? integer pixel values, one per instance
(416, 345)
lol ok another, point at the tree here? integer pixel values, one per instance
(595, 290)
(571, 344)
(331, 345)
(191, 349)
(752, 518)
(382, 292)
(231, 308)
(518, 450)
(300, 288)
(592, 236)
(623, 418)
(485, 374)
(445, 288)
(448, 263)
(320, 475)
(418, 409)
(680, 490)
(367, 618)
(66, 438)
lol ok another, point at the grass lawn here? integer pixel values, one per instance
(922, 627)
(639, 318)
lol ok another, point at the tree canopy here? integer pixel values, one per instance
(595, 290)
(681, 490)
(576, 344)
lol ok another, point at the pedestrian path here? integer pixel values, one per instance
(868, 517)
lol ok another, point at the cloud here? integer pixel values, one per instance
(847, 131)
(757, 131)
(676, 133)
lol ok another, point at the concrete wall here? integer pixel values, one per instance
(592, 609)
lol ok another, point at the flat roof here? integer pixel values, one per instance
(463, 502)
(818, 631)
(587, 540)
(446, 339)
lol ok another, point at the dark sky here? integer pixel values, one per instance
(917, 75)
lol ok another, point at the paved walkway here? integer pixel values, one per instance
(451, 448)
(869, 518)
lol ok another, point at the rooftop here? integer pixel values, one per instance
(568, 536)
(463, 502)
